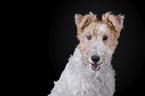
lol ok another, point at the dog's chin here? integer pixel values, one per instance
(95, 66)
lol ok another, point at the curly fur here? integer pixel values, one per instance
(78, 79)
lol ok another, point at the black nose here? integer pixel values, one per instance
(95, 58)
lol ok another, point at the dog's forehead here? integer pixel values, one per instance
(101, 28)
(98, 28)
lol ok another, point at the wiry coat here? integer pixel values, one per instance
(80, 77)
(78, 80)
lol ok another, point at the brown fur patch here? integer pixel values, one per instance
(89, 24)
(84, 21)
(115, 22)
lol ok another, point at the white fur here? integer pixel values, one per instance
(78, 79)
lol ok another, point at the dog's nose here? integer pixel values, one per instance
(95, 58)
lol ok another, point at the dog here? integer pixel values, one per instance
(89, 71)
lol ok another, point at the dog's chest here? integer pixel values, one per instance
(93, 86)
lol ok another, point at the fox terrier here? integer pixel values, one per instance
(89, 71)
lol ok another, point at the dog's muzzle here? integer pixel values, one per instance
(95, 65)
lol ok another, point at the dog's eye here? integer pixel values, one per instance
(105, 38)
(89, 37)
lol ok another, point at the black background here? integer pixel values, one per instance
(54, 40)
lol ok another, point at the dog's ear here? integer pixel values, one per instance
(83, 21)
(115, 21)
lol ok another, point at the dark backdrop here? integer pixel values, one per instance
(57, 41)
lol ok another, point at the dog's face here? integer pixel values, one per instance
(98, 39)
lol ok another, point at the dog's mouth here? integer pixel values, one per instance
(95, 66)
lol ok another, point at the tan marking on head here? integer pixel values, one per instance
(115, 22)
(106, 30)
(112, 41)
(83, 21)
(110, 26)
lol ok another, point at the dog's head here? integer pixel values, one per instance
(98, 38)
